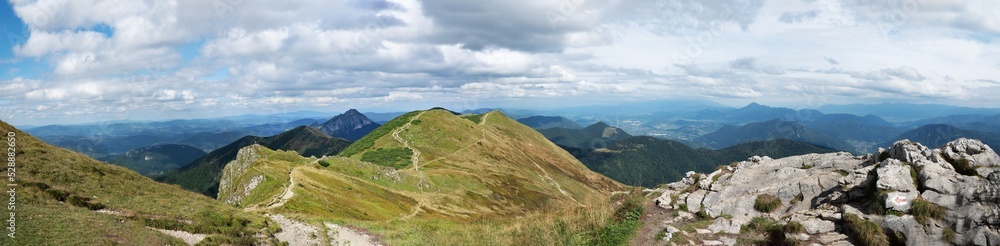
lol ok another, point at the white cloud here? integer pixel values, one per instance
(315, 53)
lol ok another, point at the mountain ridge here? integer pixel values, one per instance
(203, 174)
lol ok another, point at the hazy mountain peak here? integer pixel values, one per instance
(350, 125)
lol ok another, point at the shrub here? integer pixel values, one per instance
(766, 203)
(397, 157)
(866, 232)
(475, 118)
(324, 163)
(923, 210)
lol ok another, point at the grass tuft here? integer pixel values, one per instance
(923, 210)
(774, 231)
(962, 166)
(766, 203)
(866, 232)
(949, 234)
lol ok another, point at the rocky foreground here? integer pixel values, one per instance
(908, 194)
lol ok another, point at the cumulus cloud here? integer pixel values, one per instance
(110, 57)
(831, 61)
(796, 17)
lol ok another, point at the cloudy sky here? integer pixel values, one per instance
(66, 61)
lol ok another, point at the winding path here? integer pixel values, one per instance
(289, 193)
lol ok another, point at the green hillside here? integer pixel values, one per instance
(597, 135)
(647, 161)
(203, 174)
(67, 198)
(464, 180)
(157, 159)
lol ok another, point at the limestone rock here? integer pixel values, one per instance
(821, 196)
(817, 226)
(829, 238)
(724, 225)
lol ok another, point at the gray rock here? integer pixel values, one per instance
(971, 203)
(694, 200)
(976, 152)
(848, 209)
(908, 226)
(828, 238)
(729, 241)
(664, 199)
(907, 151)
(984, 236)
(670, 230)
(702, 231)
(726, 226)
(895, 176)
(817, 226)
(798, 236)
(947, 201)
(712, 242)
(900, 201)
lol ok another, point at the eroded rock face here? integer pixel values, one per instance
(231, 193)
(817, 190)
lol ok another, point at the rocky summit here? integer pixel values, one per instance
(909, 194)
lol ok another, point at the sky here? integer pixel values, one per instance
(71, 61)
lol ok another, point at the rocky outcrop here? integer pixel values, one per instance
(231, 193)
(917, 195)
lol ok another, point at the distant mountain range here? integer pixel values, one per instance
(203, 174)
(545, 122)
(104, 140)
(755, 112)
(907, 111)
(350, 125)
(647, 161)
(935, 135)
(597, 135)
(157, 159)
(731, 135)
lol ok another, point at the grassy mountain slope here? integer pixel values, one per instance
(597, 135)
(648, 161)
(157, 159)
(203, 174)
(60, 192)
(465, 179)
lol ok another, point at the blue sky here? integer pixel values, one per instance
(89, 60)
